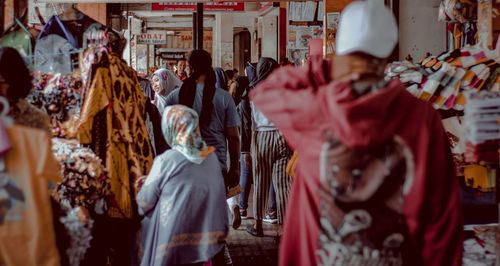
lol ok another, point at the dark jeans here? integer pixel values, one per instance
(246, 180)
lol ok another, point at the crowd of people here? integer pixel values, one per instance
(374, 181)
(227, 124)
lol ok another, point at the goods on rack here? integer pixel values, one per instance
(482, 128)
(59, 96)
(443, 79)
(481, 249)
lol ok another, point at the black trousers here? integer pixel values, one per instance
(114, 241)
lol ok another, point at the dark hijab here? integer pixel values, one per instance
(220, 78)
(265, 67)
(251, 72)
(241, 88)
(200, 62)
(15, 73)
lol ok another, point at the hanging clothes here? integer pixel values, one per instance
(26, 227)
(58, 44)
(115, 104)
(22, 41)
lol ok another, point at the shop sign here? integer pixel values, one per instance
(191, 6)
(153, 38)
(173, 55)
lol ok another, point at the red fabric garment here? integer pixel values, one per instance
(303, 104)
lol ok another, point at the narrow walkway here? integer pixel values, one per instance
(247, 250)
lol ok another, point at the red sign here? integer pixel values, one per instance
(191, 6)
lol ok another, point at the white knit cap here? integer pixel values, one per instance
(368, 27)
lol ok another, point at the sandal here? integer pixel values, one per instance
(257, 233)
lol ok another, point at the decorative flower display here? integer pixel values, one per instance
(84, 183)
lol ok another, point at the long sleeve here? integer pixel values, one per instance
(151, 190)
(442, 243)
(245, 112)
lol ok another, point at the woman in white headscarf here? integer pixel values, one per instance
(164, 82)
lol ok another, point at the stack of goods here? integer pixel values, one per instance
(482, 117)
(58, 95)
(443, 79)
(461, 17)
(481, 249)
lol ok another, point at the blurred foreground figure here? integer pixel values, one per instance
(375, 182)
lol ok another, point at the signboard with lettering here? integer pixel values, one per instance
(173, 55)
(191, 6)
(153, 38)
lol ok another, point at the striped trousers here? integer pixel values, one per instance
(270, 155)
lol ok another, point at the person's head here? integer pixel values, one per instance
(181, 66)
(242, 84)
(366, 37)
(221, 79)
(15, 78)
(200, 63)
(265, 67)
(164, 82)
(180, 126)
(285, 62)
(231, 75)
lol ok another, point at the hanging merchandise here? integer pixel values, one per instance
(21, 40)
(112, 123)
(482, 128)
(481, 250)
(59, 43)
(302, 11)
(442, 80)
(461, 18)
(59, 96)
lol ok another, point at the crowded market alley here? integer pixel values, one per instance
(249, 133)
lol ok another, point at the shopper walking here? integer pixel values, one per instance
(181, 197)
(219, 120)
(164, 82)
(270, 155)
(375, 163)
(245, 112)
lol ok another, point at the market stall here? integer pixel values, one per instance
(463, 84)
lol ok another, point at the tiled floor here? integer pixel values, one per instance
(247, 250)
